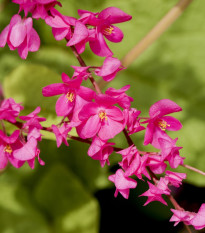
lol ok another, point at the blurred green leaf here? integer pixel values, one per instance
(17, 213)
(65, 200)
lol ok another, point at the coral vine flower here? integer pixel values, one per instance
(111, 66)
(123, 184)
(103, 26)
(9, 110)
(20, 35)
(100, 118)
(175, 178)
(198, 221)
(72, 93)
(38, 8)
(182, 216)
(100, 150)
(154, 193)
(61, 25)
(123, 100)
(61, 133)
(159, 120)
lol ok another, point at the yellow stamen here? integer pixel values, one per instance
(102, 115)
(109, 30)
(8, 149)
(70, 96)
(163, 125)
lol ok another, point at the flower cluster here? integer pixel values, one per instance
(97, 117)
(22, 144)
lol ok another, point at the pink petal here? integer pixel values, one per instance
(17, 34)
(90, 128)
(3, 158)
(60, 33)
(4, 36)
(110, 65)
(99, 47)
(63, 106)
(116, 35)
(27, 152)
(53, 89)
(110, 129)
(164, 107)
(34, 41)
(172, 123)
(115, 15)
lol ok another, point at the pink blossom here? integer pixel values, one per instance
(175, 178)
(100, 118)
(8, 144)
(103, 27)
(9, 110)
(61, 25)
(182, 216)
(20, 35)
(155, 192)
(122, 99)
(156, 164)
(170, 152)
(122, 183)
(61, 133)
(38, 8)
(198, 221)
(72, 94)
(159, 120)
(111, 66)
(100, 150)
(81, 71)
(33, 120)
(133, 122)
(133, 163)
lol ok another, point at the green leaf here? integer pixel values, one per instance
(17, 213)
(66, 201)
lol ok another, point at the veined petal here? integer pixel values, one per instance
(164, 107)
(4, 36)
(109, 66)
(115, 15)
(115, 113)
(87, 111)
(60, 33)
(17, 34)
(34, 41)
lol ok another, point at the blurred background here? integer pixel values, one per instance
(71, 193)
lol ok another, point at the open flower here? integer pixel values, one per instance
(20, 35)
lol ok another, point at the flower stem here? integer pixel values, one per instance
(193, 169)
(82, 63)
(161, 26)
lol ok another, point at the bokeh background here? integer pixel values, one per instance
(71, 193)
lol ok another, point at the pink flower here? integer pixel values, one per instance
(100, 118)
(123, 184)
(182, 216)
(155, 191)
(33, 120)
(198, 221)
(133, 163)
(81, 71)
(133, 122)
(38, 8)
(122, 99)
(103, 27)
(72, 94)
(20, 35)
(111, 66)
(61, 25)
(61, 133)
(9, 110)
(8, 144)
(170, 152)
(159, 120)
(100, 150)
(156, 164)
(175, 178)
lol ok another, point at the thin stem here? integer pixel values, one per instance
(193, 169)
(83, 64)
(162, 25)
(129, 140)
